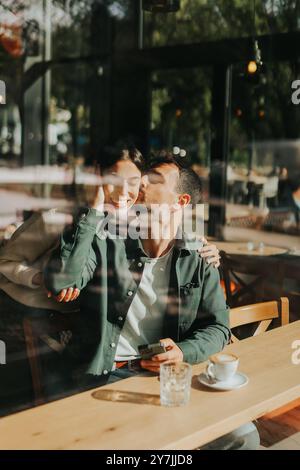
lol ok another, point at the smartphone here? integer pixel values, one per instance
(148, 350)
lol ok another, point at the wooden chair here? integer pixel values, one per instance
(35, 329)
(264, 313)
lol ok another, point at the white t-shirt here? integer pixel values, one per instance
(144, 321)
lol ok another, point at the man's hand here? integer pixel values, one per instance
(66, 295)
(210, 253)
(173, 354)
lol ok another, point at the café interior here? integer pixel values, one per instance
(217, 85)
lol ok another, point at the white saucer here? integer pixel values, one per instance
(237, 381)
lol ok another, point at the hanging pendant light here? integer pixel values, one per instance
(255, 62)
(161, 6)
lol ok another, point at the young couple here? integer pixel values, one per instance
(136, 291)
(24, 257)
(143, 290)
(139, 290)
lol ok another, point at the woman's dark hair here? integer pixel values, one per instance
(120, 152)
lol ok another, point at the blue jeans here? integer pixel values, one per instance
(87, 381)
(125, 373)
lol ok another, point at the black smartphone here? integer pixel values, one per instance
(148, 350)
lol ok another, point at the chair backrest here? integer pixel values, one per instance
(263, 312)
(34, 329)
(236, 268)
(252, 265)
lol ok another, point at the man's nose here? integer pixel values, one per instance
(144, 182)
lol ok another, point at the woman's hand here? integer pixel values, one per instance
(66, 295)
(37, 279)
(94, 192)
(97, 201)
(210, 253)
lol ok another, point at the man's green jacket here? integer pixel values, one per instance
(108, 272)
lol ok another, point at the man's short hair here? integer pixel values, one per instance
(188, 182)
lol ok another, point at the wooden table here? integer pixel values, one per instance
(242, 248)
(83, 422)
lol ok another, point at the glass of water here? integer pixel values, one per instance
(175, 384)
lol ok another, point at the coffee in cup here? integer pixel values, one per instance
(222, 366)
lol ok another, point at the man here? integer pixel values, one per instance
(144, 290)
(113, 271)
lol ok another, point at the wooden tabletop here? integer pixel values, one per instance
(250, 249)
(127, 414)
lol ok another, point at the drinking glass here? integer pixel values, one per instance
(175, 384)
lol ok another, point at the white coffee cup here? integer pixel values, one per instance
(222, 366)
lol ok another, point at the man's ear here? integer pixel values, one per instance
(184, 199)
